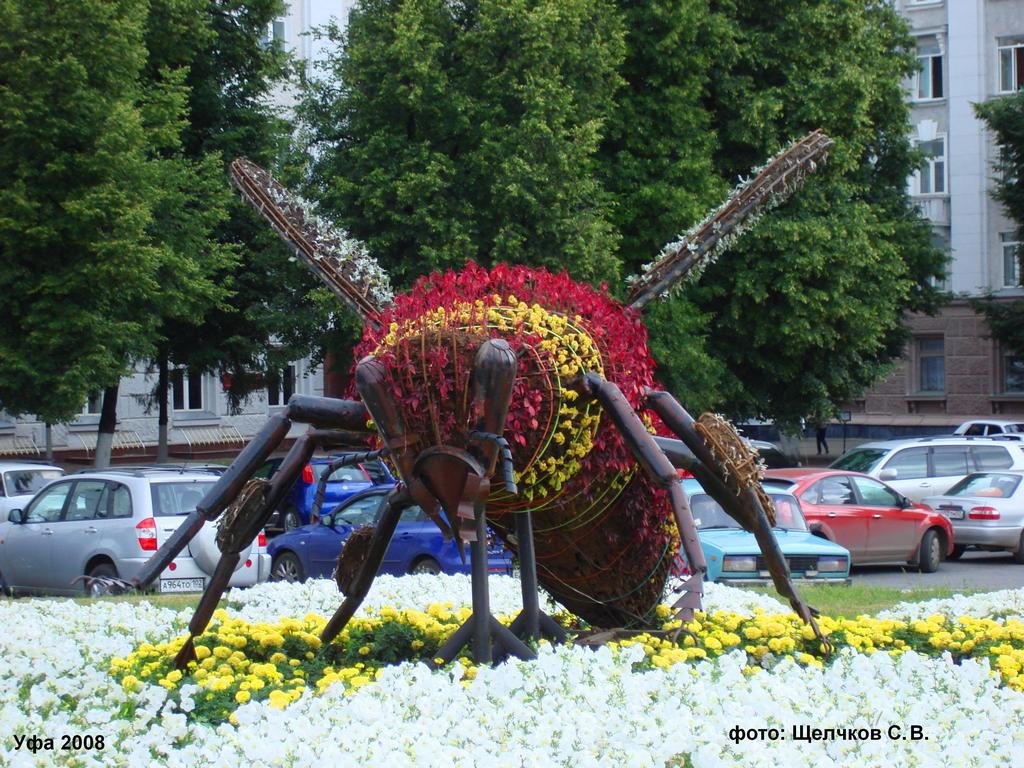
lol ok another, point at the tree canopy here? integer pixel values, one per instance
(584, 136)
(104, 226)
(1005, 118)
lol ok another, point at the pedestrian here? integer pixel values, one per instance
(820, 432)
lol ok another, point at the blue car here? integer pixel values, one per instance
(733, 556)
(297, 506)
(417, 546)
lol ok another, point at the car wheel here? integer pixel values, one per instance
(287, 567)
(96, 588)
(290, 520)
(1018, 556)
(958, 552)
(930, 556)
(427, 566)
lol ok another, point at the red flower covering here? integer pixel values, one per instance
(602, 530)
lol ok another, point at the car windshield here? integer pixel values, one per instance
(350, 473)
(995, 485)
(859, 459)
(178, 498)
(711, 515)
(21, 482)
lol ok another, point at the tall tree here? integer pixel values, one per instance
(277, 312)
(77, 200)
(1005, 118)
(806, 311)
(452, 131)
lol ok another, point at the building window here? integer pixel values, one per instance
(930, 178)
(93, 403)
(280, 385)
(186, 390)
(928, 80)
(1013, 373)
(1011, 67)
(1011, 259)
(931, 365)
(275, 33)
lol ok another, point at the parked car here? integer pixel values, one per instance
(991, 427)
(929, 466)
(106, 524)
(19, 481)
(297, 507)
(733, 555)
(987, 512)
(417, 546)
(876, 523)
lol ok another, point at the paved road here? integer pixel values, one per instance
(975, 570)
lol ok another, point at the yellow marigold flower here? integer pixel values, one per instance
(242, 696)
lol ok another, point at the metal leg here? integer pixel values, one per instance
(319, 411)
(492, 641)
(395, 503)
(241, 525)
(746, 507)
(531, 623)
(654, 462)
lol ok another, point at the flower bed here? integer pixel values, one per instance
(736, 691)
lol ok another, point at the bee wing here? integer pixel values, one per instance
(772, 185)
(339, 260)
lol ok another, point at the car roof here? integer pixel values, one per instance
(14, 465)
(157, 474)
(934, 440)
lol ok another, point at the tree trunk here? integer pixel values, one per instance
(161, 398)
(108, 423)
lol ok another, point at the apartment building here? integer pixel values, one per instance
(970, 51)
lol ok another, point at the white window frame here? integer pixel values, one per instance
(189, 387)
(288, 383)
(1009, 246)
(93, 404)
(930, 164)
(1010, 55)
(927, 62)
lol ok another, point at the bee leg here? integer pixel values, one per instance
(320, 411)
(657, 466)
(371, 556)
(246, 516)
(745, 506)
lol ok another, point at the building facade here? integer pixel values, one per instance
(970, 51)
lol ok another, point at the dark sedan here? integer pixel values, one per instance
(417, 546)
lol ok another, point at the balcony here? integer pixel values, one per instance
(935, 208)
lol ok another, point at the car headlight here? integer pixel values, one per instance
(744, 563)
(832, 564)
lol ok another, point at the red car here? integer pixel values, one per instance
(866, 516)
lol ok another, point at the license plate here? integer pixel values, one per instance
(182, 585)
(953, 513)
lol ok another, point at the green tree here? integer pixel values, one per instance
(80, 199)
(806, 311)
(1005, 118)
(277, 312)
(445, 132)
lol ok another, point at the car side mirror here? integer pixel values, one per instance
(327, 520)
(16, 516)
(888, 474)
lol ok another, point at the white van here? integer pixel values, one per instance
(929, 466)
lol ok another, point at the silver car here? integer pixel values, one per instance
(19, 481)
(987, 512)
(106, 524)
